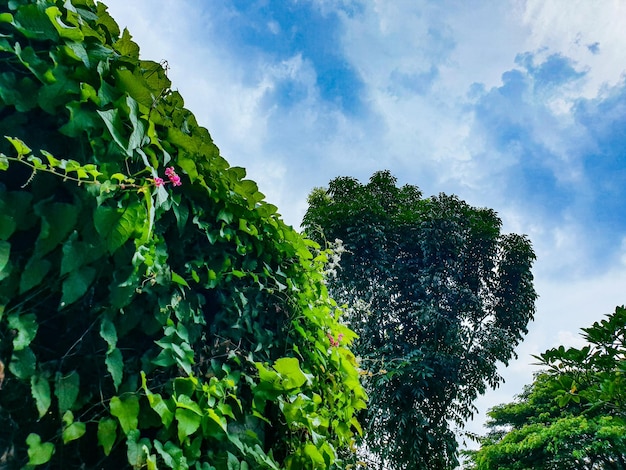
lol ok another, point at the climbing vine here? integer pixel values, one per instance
(155, 311)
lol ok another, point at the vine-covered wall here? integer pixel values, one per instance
(155, 311)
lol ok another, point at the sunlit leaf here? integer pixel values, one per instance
(38, 453)
(126, 410)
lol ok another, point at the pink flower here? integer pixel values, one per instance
(334, 342)
(171, 174)
(175, 179)
(158, 181)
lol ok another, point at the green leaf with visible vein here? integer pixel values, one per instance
(188, 423)
(66, 388)
(40, 388)
(114, 125)
(289, 369)
(26, 327)
(73, 429)
(20, 147)
(126, 410)
(115, 365)
(22, 363)
(116, 226)
(107, 433)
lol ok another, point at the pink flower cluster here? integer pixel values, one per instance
(171, 174)
(174, 178)
(335, 342)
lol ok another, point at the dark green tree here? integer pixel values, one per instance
(573, 415)
(438, 297)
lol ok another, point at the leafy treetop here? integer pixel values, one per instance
(439, 296)
(573, 415)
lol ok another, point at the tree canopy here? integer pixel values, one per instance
(155, 311)
(573, 415)
(438, 296)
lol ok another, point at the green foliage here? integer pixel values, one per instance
(438, 297)
(574, 413)
(155, 311)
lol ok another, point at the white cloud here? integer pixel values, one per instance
(576, 28)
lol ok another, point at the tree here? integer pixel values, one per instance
(437, 295)
(155, 311)
(573, 415)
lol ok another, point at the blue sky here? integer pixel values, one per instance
(517, 105)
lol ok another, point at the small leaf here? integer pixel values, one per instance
(108, 333)
(136, 449)
(107, 433)
(5, 252)
(40, 389)
(73, 429)
(22, 363)
(225, 216)
(4, 162)
(314, 454)
(26, 327)
(179, 279)
(66, 389)
(115, 365)
(38, 453)
(21, 148)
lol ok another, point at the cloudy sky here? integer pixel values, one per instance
(516, 105)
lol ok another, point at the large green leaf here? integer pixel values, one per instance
(38, 453)
(65, 31)
(126, 410)
(114, 124)
(116, 226)
(188, 423)
(291, 374)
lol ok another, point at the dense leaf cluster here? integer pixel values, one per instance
(155, 311)
(574, 413)
(443, 297)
